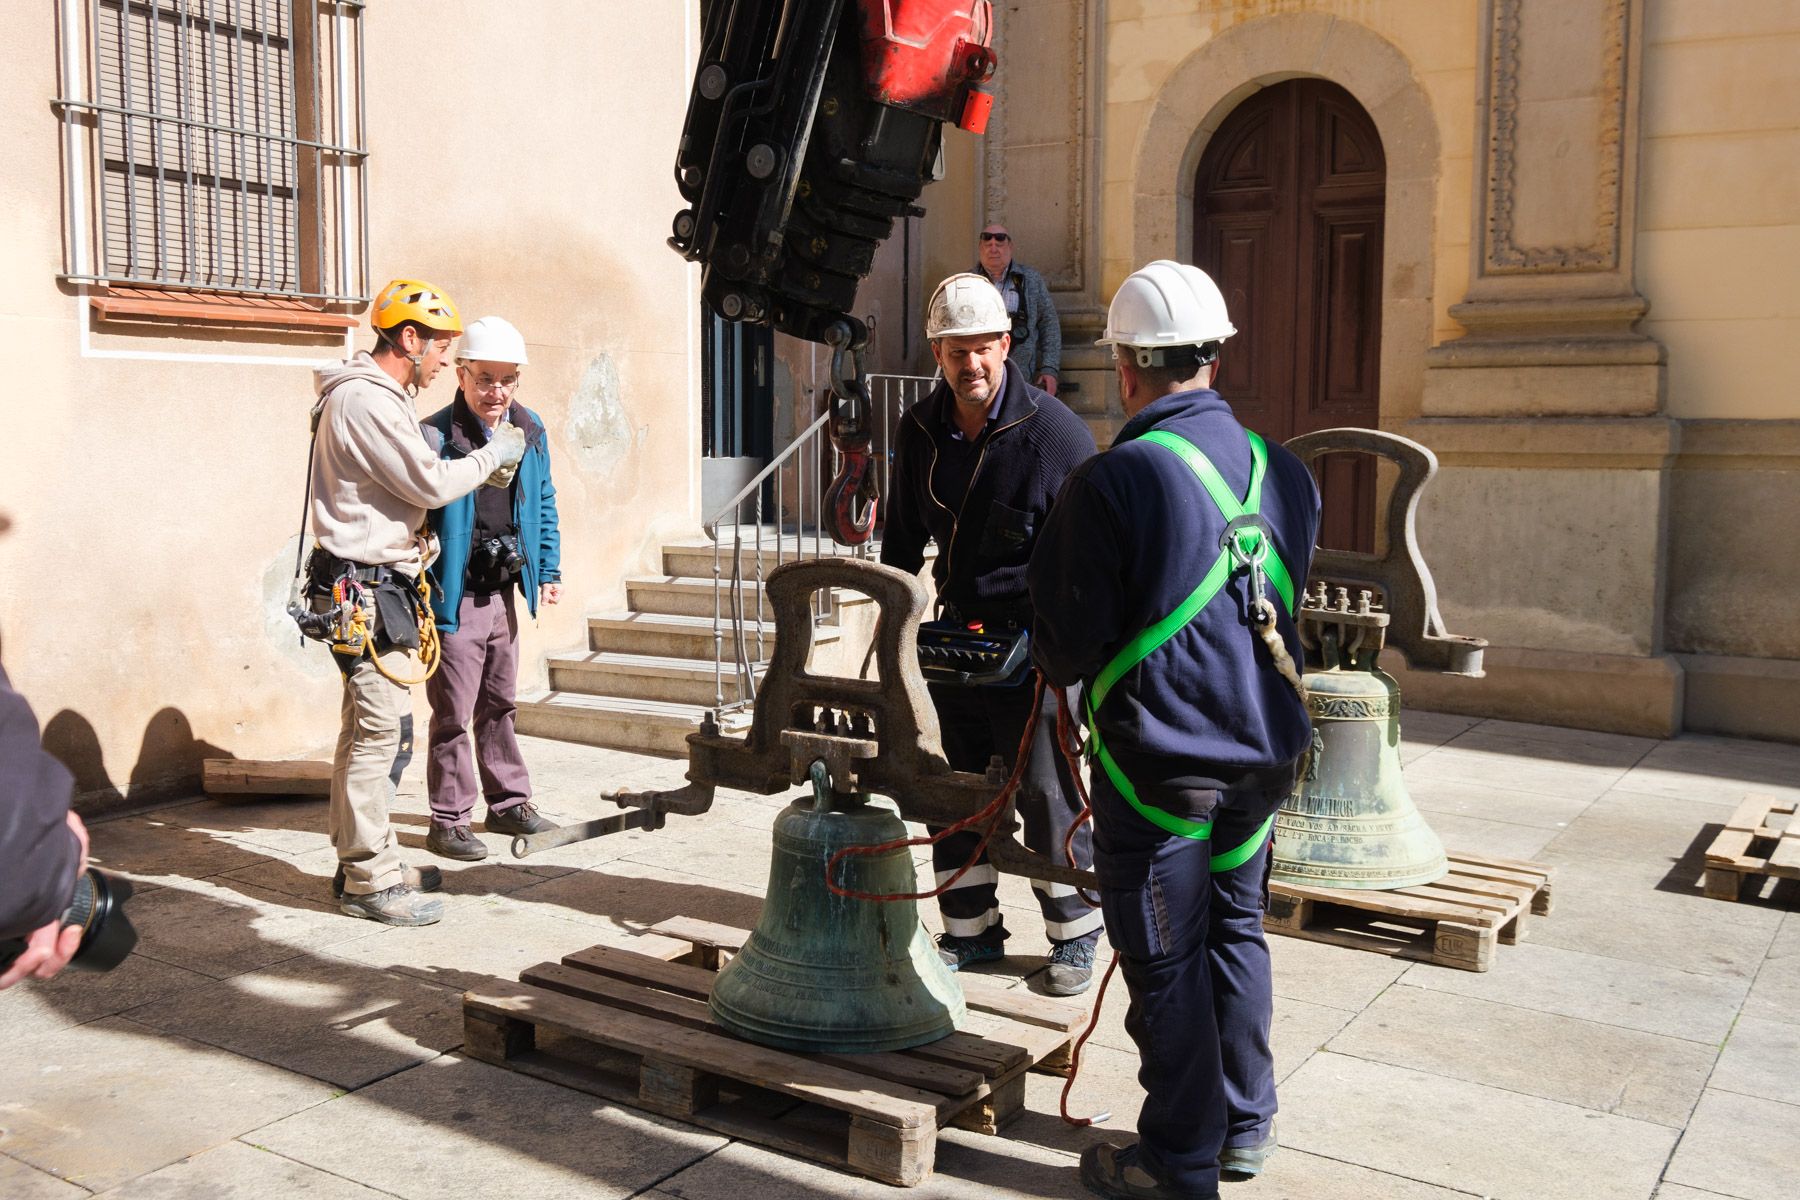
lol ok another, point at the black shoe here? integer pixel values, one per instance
(518, 820)
(1245, 1161)
(960, 952)
(425, 879)
(455, 842)
(1113, 1172)
(1071, 968)
(401, 904)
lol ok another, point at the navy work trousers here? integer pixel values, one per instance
(1191, 949)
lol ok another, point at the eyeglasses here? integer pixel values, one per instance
(487, 383)
(996, 237)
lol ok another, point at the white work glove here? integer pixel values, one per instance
(508, 445)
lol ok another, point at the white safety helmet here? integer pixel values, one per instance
(492, 339)
(1166, 304)
(964, 305)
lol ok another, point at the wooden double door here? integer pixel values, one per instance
(1288, 209)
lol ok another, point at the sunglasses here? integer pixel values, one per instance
(996, 237)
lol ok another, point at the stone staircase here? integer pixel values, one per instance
(646, 677)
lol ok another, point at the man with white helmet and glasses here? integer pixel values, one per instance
(976, 465)
(1165, 582)
(371, 480)
(502, 538)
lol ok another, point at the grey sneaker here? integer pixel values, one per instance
(1071, 968)
(1247, 1160)
(1113, 1171)
(518, 820)
(959, 952)
(401, 904)
(426, 879)
(455, 842)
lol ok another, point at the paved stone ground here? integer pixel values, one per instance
(1645, 1042)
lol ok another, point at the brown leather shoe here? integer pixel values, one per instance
(517, 821)
(455, 842)
(426, 879)
(1113, 1171)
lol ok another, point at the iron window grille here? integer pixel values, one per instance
(216, 145)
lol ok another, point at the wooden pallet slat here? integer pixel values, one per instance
(635, 1028)
(1752, 844)
(1455, 921)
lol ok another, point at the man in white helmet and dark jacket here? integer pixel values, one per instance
(977, 463)
(1165, 582)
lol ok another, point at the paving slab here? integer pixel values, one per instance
(307, 876)
(113, 1100)
(1456, 797)
(1106, 1083)
(1296, 1175)
(1775, 996)
(155, 850)
(1741, 1146)
(1675, 1191)
(1592, 987)
(235, 1171)
(1336, 976)
(19, 1181)
(1601, 1067)
(1642, 827)
(1588, 745)
(1761, 1058)
(1518, 767)
(1433, 728)
(1716, 772)
(969, 1167)
(222, 931)
(457, 1127)
(728, 854)
(284, 825)
(341, 1022)
(629, 897)
(40, 1007)
(1633, 910)
(1502, 839)
(1458, 1134)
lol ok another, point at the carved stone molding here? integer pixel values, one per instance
(1054, 149)
(1601, 252)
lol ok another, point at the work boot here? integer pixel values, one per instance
(401, 904)
(959, 952)
(1246, 1161)
(518, 820)
(426, 879)
(1113, 1172)
(455, 841)
(1071, 968)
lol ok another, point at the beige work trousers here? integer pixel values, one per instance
(375, 712)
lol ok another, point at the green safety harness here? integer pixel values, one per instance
(1247, 545)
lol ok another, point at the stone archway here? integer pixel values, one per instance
(1203, 90)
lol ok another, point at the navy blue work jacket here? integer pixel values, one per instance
(1129, 538)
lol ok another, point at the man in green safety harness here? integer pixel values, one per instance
(1164, 581)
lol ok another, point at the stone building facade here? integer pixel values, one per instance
(1577, 282)
(518, 155)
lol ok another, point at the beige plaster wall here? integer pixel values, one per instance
(520, 157)
(1718, 244)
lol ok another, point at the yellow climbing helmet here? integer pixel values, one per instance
(414, 300)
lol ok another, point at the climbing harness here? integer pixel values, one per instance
(1247, 547)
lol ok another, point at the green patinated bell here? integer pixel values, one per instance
(1350, 822)
(829, 973)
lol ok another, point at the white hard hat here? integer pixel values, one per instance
(966, 304)
(1166, 304)
(492, 339)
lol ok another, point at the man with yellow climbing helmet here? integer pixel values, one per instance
(1164, 582)
(371, 481)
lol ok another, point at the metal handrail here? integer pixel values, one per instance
(889, 393)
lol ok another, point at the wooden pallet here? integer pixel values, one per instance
(1454, 922)
(264, 777)
(1750, 844)
(632, 1025)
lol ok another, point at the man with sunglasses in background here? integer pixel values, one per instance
(503, 536)
(1036, 331)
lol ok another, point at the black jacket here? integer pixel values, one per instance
(985, 542)
(1131, 536)
(38, 853)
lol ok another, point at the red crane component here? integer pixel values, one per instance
(926, 55)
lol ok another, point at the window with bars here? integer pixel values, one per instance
(215, 146)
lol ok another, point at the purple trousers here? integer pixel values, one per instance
(477, 682)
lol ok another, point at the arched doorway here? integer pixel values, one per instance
(1289, 200)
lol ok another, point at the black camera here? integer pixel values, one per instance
(98, 910)
(498, 557)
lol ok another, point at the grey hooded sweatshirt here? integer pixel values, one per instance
(373, 476)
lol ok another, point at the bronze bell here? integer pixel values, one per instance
(1350, 822)
(830, 973)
